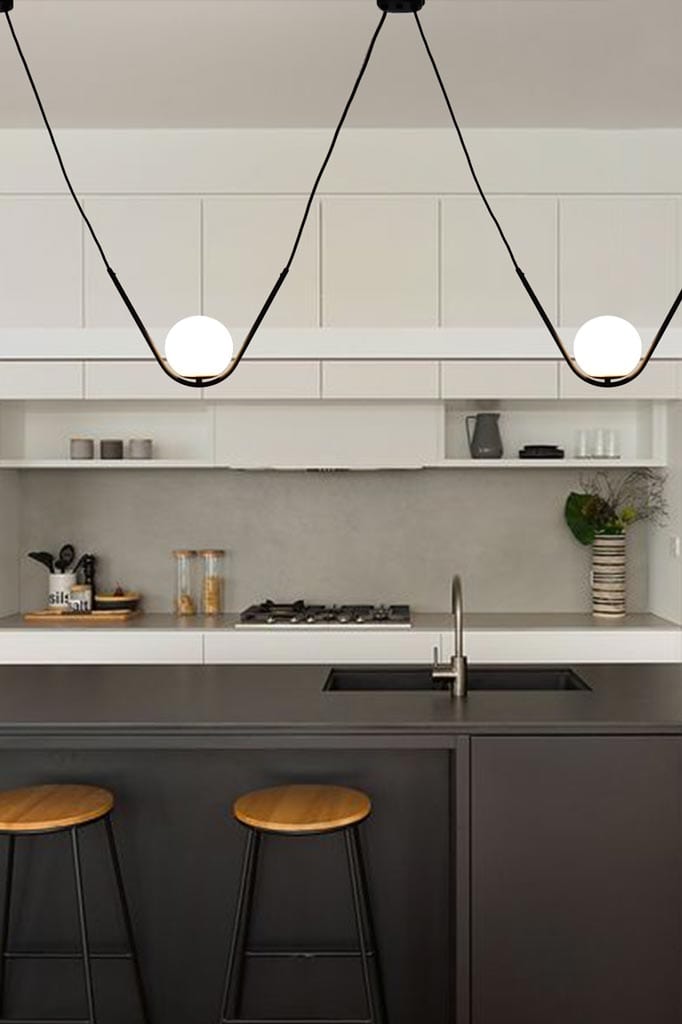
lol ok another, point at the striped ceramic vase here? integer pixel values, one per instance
(608, 576)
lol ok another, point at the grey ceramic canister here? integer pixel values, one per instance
(140, 448)
(483, 435)
(82, 448)
(111, 448)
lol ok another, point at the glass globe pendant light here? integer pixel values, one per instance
(199, 351)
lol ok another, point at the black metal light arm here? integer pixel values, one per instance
(193, 382)
(602, 382)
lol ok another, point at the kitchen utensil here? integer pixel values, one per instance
(485, 440)
(213, 585)
(111, 449)
(127, 601)
(582, 444)
(82, 448)
(599, 443)
(140, 448)
(541, 451)
(60, 584)
(65, 558)
(185, 582)
(80, 598)
(44, 558)
(611, 444)
(62, 616)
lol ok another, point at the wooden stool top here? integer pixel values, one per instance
(50, 808)
(300, 809)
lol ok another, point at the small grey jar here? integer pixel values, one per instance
(140, 448)
(82, 448)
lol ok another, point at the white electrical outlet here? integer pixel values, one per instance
(675, 547)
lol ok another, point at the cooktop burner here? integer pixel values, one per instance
(299, 613)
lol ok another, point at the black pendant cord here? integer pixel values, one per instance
(190, 381)
(55, 147)
(607, 382)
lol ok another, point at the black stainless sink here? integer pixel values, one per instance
(398, 678)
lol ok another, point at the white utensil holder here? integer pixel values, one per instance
(60, 584)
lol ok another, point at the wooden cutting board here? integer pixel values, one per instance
(91, 618)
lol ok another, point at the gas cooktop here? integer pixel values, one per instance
(299, 613)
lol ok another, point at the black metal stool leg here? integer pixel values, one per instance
(369, 956)
(127, 920)
(82, 921)
(6, 912)
(230, 1005)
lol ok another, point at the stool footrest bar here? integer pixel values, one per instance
(304, 954)
(40, 955)
(283, 1020)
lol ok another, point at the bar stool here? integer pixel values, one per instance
(43, 810)
(304, 811)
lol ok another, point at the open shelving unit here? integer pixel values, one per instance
(320, 435)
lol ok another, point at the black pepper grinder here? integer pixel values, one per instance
(88, 564)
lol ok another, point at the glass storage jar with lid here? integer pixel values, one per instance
(213, 586)
(185, 584)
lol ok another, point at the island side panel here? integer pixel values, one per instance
(576, 880)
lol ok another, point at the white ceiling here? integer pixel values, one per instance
(290, 63)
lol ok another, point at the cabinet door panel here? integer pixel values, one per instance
(480, 285)
(380, 379)
(576, 887)
(40, 379)
(40, 263)
(155, 243)
(270, 379)
(499, 378)
(246, 244)
(130, 379)
(659, 380)
(380, 262)
(618, 255)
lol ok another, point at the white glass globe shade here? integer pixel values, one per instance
(199, 346)
(607, 346)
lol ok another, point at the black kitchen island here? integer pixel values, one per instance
(525, 850)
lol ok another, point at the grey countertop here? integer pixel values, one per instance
(428, 621)
(178, 702)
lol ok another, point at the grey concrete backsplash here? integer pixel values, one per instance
(375, 536)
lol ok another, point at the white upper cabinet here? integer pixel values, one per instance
(377, 379)
(658, 380)
(247, 242)
(380, 262)
(133, 380)
(154, 247)
(269, 380)
(40, 263)
(40, 379)
(480, 286)
(499, 378)
(617, 256)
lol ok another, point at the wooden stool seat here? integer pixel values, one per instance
(51, 808)
(302, 809)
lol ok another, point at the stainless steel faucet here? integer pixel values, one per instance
(455, 671)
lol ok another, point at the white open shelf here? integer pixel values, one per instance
(640, 426)
(326, 435)
(581, 464)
